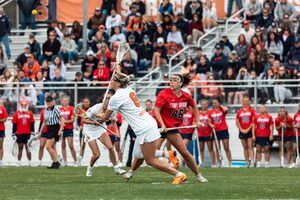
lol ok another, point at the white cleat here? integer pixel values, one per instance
(201, 179)
(292, 165)
(120, 164)
(79, 159)
(110, 165)
(267, 165)
(89, 171)
(128, 175)
(75, 164)
(40, 163)
(18, 163)
(258, 165)
(119, 171)
(214, 166)
(1, 164)
(29, 163)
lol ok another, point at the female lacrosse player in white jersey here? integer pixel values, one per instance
(144, 126)
(92, 131)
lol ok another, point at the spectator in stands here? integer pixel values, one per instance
(209, 16)
(243, 75)
(53, 26)
(94, 22)
(38, 85)
(241, 47)
(102, 73)
(111, 61)
(128, 65)
(76, 34)
(287, 39)
(57, 64)
(163, 85)
(199, 53)
(254, 41)
(294, 53)
(287, 22)
(188, 65)
(203, 67)
(166, 7)
(182, 25)
(22, 58)
(270, 62)
(135, 26)
(230, 4)
(107, 5)
(253, 10)
(5, 26)
(141, 7)
(22, 77)
(31, 67)
(145, 54)
(149, 26)
(78, 77)
(133, 45)
(284, 7)
(192, 7)
(195, 81)
(50, 48)
(160, 54)
(112, 20)
(234, 62)
(45, 69)
(55, 93)
(133, 10)
(118, 36)
(281, 92)
(247, 30)
(26, 7)
(195, 30)
(62, 26)
(28, 92)
(35, 47)
(211, 90)
(159, 33)
(253, 64)
(226, 41)
(103, 52)
(175, 36)
(268, 92)
(68, 50)
(89, 64)
(229, 91)
(274, 45)
(3, 61)
(259, 34)
(262, 54)
(265, 20)
(218, 61)
(97, 40)
(167, 22)
(269, 5)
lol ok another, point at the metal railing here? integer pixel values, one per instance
(231, 19)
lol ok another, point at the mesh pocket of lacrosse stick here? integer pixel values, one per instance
(15, 149)
(123, 48)
(80, 112)
(33, 143)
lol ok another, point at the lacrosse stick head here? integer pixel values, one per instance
(33, 143)
(79, 111)
(122, 49)
(15, 149)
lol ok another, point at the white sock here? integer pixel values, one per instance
(199, 175)
(178, 174)
(130, 171)
(1, 162)
(116, 167)
(267, 162)
(159, 153)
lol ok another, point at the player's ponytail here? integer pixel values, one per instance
(123, 79)
(184, 79)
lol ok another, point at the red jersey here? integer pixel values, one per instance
(173, 107)
(218, 119)
(297, 121)
(42, 120)
(119, 121)
(23, 120)
(245, 117)
(3, 115)
(204, 131)
(188, 119)
(67, 113)
(289, 131)
(263, 124)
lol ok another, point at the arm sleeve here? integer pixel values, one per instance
(14, 129)
(32, 127)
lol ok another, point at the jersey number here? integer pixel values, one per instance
(135, 99)
(245, 119)
(177, 113)
(261, 125)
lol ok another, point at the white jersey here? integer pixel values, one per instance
(126, 102)
(91, 131)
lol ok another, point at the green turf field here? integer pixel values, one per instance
(71, 183)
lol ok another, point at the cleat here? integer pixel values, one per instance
(119, 171)
(18, 163)
(89, 171)
(110, 165)
(128, 175)
(177, 180)
(173, 159)
(201, 179)
(292, 165)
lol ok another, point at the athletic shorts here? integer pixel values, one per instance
(2, 134)
(114, 138)
(68, 133)
(205, 138)
(22, 138)
(187, 136)
(222, 135)
(164, 134)
(53, 132)
(246, 136)
(44, 135)
(262, 141)
(294, 139)
(91, 134)
(286, 138)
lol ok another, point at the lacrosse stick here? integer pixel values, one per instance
(218, 147)
(15, 149)
(196, 141)
(297, 145)
(123, 48)
(124, 142)
(33, 143)
(81, 113)
(180, 127)
(282, 148)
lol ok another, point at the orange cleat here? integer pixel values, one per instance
(177, 180)
(173, 159)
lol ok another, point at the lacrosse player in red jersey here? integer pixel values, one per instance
(3, 118)
(23, 129)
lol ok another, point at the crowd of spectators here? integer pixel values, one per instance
(266, 49)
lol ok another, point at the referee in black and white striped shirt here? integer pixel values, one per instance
(54, 122)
